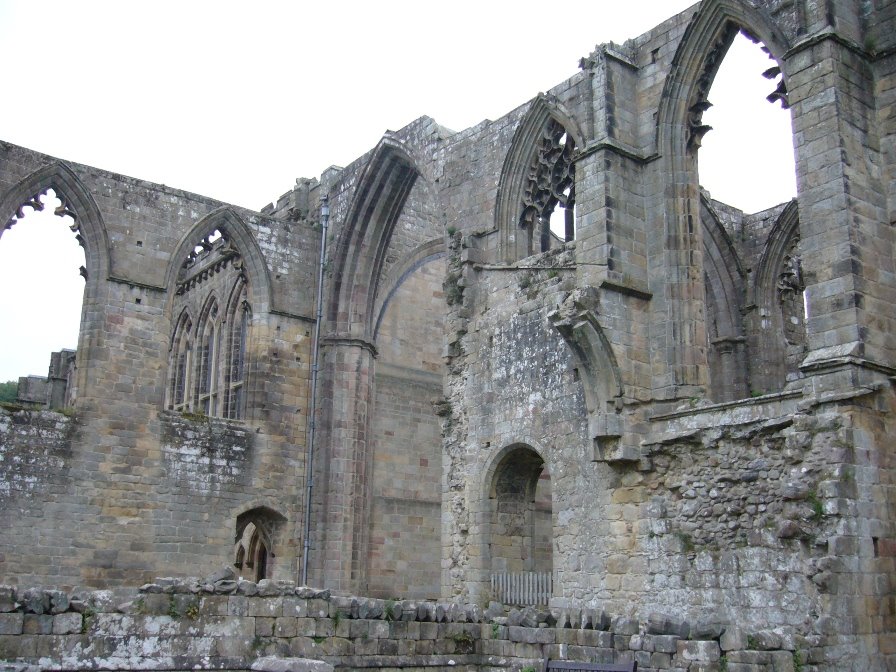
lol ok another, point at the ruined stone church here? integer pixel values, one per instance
(529, 362)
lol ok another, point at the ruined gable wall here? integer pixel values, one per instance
(143, 491)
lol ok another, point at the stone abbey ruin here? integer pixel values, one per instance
(660, 432)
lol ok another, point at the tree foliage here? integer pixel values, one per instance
(8, 390)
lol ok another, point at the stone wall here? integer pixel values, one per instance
(135, 488)
(34, 447)
(226, 624)
(707, 392)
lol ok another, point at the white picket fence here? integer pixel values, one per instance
(522, 588)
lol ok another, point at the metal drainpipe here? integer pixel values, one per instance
(312, 412)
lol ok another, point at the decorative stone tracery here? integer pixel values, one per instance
(699, 100)
(790, 288)
(550, 181)
(207, 365)
(36, 203)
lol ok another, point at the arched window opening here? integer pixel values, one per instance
(521, 530)
(256, 532)
(748, 159)
(548, 208)
(252, 553)
(181, 363)
(207, 369)
(237, 326)
(209, 349)
(42, 300)
(791, 294)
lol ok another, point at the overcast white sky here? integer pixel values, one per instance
(235, 100)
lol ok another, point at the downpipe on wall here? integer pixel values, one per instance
(315, 360)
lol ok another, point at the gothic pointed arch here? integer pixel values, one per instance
(208, 354)
(383, 188)
(258, 540)
(724, 280)
(535, 145)
(777, 291)
(577, 323)
(242, 241)
(219, 275)
(76, 202)
(423, 254)
(680, 129)
(180, 360)
(696, 62)
(234, 349)
(517, 530)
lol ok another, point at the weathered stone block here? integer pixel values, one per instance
(35, 624)
(67, 624)
(285, 626)
(237, 605)
(698, 651)
(7, 598)
(272, 664)
(733, 639)
(11, 624)
(264, 627)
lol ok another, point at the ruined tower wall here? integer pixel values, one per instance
(605, 361)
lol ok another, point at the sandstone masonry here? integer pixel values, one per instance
(655, 410)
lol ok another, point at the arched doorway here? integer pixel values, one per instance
(521, 529)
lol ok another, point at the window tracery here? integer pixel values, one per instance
(790, 287)
(699, 100)
(550, 182)
(207, 369)
(38, 202)
(256, 533)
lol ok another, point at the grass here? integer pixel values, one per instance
(389, 610)
(815, 503)
(172, 609)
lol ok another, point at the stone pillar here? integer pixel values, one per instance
(846, 239)
(342, 467)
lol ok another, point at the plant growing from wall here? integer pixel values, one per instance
(815, 503)
(687, 544)
(454, 293)
(86, 618)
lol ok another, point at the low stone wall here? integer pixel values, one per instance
(225, 624)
